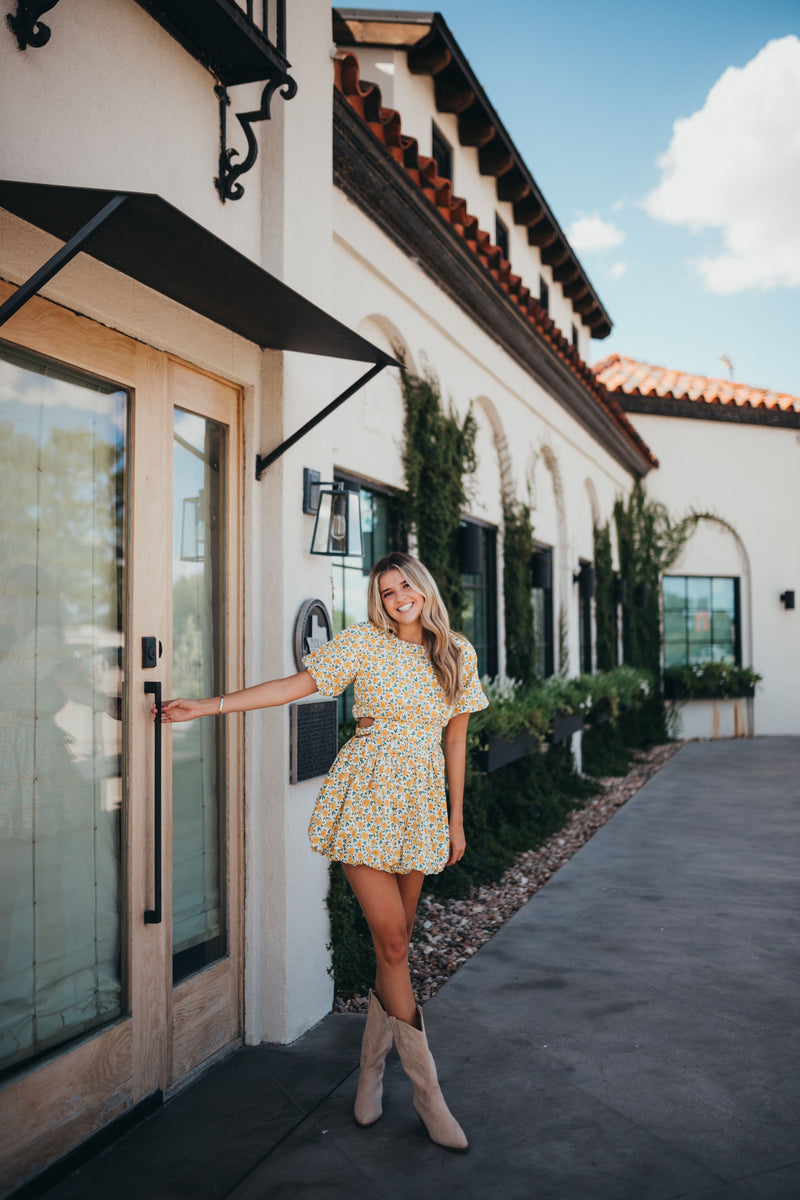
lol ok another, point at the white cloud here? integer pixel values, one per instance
(593, 233)
(618, 269)
(735, 166)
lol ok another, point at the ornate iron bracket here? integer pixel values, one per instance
(26, 26)
(226, 182)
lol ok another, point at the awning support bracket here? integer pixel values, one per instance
(266, 460)
(60, 259)
(26, 26)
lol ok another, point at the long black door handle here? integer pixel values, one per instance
(152, 916)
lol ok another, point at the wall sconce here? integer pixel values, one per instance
(337, 529)
(585, 580)
(641, 595)
(787, 600)
(620, 590)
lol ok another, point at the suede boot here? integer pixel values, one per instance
(418, 1064)
(375, 1046)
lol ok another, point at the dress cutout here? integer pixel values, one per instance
(383, 801)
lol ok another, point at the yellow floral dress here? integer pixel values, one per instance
(383, 802)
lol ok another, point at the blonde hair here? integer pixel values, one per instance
(443, 650)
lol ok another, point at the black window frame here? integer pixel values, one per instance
(486, 646)
(441, 152)
(544, 648)
(501, 235)
(737, 619)
(544, 294)
(585, 621)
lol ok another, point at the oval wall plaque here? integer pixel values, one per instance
(312, 628)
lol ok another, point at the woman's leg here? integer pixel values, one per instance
(389, 903)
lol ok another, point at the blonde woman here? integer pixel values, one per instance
(382, 810)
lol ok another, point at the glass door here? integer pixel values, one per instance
(120, 840)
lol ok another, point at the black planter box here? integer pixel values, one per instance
(600, 714)
(500, 752)
(565, 724)
(673, 690)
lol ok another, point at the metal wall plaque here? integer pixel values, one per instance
(314, 739)
(313, 628)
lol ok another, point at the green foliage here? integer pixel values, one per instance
(604, 599)
(439, 452)
(353, 958)
(710, 679)
(649, 544)
(512, 809)
(518, 547)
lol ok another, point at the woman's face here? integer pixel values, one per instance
(400, 601)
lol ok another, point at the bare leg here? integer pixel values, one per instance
(389, 903)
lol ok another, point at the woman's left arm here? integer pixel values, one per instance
(455, 757)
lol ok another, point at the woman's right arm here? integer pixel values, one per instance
(264, 695)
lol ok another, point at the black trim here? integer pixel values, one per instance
(150, 241)
(86, 1151)
(220, 36)
(371, 178)
(699, 410)
(457, 90)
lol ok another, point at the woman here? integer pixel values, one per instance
(382, 811)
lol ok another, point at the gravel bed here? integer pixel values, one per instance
(448, 932)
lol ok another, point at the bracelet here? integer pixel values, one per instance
(221, 702)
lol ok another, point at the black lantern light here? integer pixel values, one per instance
(337, 529)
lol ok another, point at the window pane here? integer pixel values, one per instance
(62, 464)
(674, 590)
(724, 593)
(675, 653)
(198, 919)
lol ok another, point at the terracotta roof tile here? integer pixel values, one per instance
(630, 377)
(365, 99)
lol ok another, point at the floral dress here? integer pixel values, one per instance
(383, 802)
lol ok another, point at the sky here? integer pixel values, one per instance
(666, 139)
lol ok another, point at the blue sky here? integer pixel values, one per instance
(591, 92)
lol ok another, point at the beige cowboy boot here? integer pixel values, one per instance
(418, 1064)
(375, 1046)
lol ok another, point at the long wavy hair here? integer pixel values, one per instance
(443, 650)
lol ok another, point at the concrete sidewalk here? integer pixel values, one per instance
(630, 1034)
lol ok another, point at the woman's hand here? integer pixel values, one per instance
(180, 710)
(458, 842)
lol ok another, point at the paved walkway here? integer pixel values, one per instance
(630, 1034)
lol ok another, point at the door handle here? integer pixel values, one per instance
(152, 916)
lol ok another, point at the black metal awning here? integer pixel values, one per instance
(149, 240)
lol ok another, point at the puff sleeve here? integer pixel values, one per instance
(473, 698)
(336, 664)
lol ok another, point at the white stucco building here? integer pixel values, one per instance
(144, 543)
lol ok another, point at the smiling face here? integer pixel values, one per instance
(402, 604)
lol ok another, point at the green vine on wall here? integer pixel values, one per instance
(439, 453)
(604, 599)
(518, 547)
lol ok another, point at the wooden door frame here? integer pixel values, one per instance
(123, 1063)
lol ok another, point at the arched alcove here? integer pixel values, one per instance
(714, 548)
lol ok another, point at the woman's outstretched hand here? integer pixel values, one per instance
(457, 842)
(179, 710)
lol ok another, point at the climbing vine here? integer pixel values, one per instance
(518, 547)
(649, 544)
(438, 454)
(604, 598)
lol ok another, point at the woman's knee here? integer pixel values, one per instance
(391, 946)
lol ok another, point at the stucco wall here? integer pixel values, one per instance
(749, 476)
(550, 456)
